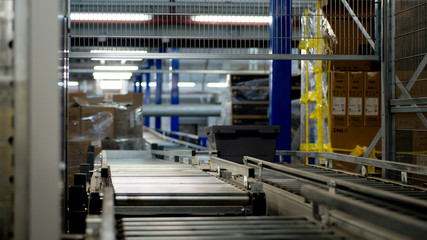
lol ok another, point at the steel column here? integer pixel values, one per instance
(280, 72)
(174, 92)
(147, 96)
(159, 81)
(387, 87)
(140, 84)
(37, 125)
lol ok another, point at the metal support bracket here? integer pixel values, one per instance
(405, 92)
(416, 74)
(370, 148)
(404, 177)
(410, 84)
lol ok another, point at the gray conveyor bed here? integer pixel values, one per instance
(144, 185)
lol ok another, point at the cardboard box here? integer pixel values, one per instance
(420, 87)
(354, 65)
(348, 137)
(83, 99)
(77, 154)
(419, 141)
(355, 99)
(77, 151)
(135, 99)
(97, 122)
(409, 121)
(128, 122)
(74, 121)
(372, 99)
(339, 98)
(419, 157)
(95, 100)
(73, 96)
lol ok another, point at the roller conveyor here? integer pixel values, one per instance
(249, 227)
(401, 209)
(291, 184)
(294, 185)
(154, 186)
(148, 188)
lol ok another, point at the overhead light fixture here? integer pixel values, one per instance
(115, 68)
(152, 84)
(116, 59)
(117, 51)
(186, 84)
(244, 19)
(73, 83)
(112, 75)
(217, 84)
(111, 84)
(112, 17)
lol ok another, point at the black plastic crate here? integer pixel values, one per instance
(241, 120)
(234, 142)
(249, 109)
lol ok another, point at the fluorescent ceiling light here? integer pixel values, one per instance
(115, 68)
(217, 84)
(115, 17)
(73, 84)
(186, 84)
(151, 84)
(116, 59)
(111, 84)
(231, 19)
(112, 75)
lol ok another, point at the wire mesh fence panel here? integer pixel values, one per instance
(209, 29)
(410, 83)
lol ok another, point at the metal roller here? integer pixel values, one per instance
(165, 187)
(182, 110)
(223, 228)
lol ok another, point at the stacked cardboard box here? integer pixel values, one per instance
(339, 98)
(355, 99)
(372, 99)
(92, 123)
(120, 119)
(127, 122)
(419, 146)
(77, 154)
(355, 110)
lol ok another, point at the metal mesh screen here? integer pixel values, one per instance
(410, 83)
(237, 28)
